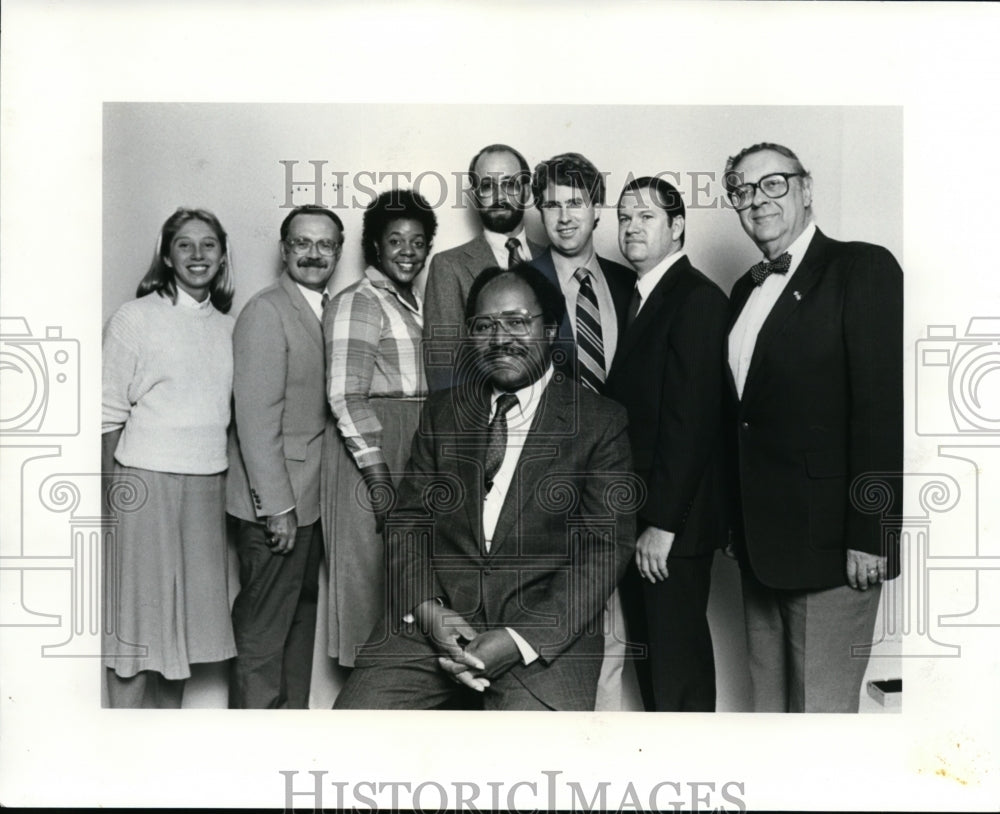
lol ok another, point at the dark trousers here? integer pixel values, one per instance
(274, 619)
(669, 619)
(422, 684)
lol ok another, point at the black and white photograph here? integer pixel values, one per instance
(548, 375)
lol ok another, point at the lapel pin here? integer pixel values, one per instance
(797, 296)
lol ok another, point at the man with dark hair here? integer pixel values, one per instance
(668, 374)
(272, 489)
(500, 178)
(510, 530)
(569, 193)
(816, 385)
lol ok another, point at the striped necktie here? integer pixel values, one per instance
(589, 337)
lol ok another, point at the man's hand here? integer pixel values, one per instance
(488, 656)
(864, 569)
(381, 492)
(281, 530)
(651, 552)
(448, 633)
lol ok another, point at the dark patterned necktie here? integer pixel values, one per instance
(514, 255)
(326, 302)
(589, 337)
(496, 439)
(779, 265)
(633, 307)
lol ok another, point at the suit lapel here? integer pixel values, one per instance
(545, 264)
(621, 291)
(551, 421)
(480, 256)
(650, 311)
(805, 277)
(307, 317)
(469, 457)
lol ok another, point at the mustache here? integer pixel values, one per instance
(311, 262)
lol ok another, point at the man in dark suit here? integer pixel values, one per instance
(512, 527)
(569, 193)
(668, 374)
(815, 353)
(500, 180)
(274, 466)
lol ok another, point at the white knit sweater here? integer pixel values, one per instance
(168, 377)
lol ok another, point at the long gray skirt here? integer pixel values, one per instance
(354, 552)
(165, 576)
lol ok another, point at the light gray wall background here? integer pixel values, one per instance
(226, 158)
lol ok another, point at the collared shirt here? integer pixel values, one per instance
(743, 336)
(373, 349)
(647, 282)
(497, 242)
(185, 299)
(566, 273)
(519, 419)
(314, 298)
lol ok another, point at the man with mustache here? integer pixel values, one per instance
(668, 374)
(273, 490)
(500, 180)
(514, 523)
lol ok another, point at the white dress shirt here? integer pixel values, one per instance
(497, 242)
(565, 271)
(519, 419)
(314, 298)
(648, 281)
(743, 336)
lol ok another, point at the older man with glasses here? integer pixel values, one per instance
(513, 525)
(274, 466)
(816, 398)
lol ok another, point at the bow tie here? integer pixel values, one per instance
(780, 265)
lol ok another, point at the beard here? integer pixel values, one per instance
(501, 218)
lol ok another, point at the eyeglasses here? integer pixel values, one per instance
(515, 323)
(774, 185)
(511, 186)
(303, 245)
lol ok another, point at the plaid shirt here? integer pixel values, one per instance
(372, 350)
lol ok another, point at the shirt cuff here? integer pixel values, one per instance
(528, 653)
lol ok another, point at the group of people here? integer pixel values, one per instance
(520, 481)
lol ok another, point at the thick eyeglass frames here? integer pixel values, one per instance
(774, 185)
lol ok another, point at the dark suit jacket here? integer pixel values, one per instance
(449, 280)
(621, 281)
(564, 535)
(279, 405)
(668, 374)
(822, 406)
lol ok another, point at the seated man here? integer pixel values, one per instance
(514, 522)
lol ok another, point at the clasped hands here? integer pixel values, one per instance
(467, 657)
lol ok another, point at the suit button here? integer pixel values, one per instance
(745, 425)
